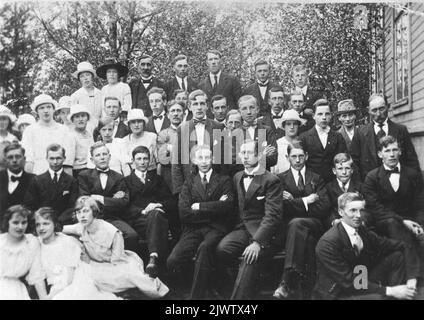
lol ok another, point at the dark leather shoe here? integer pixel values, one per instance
(152, 267)
(282, 292)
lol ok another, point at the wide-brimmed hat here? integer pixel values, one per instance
(42, 99)
(6, 112)
(111, 63)
(346, 106)
(78, 108)
(84, 66)
(25, 118)
(137, 114)
(292, 115)
(64, 103)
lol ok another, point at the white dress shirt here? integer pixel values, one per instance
(115, 128)
(212, 77)
(277, 122)
(394, 177)
(200, 133)
(323, 135)
(208, 175)
(13, 185)
(296, 180)
(303, 90)
(103, 179)
(58, 173)
(158, 122)
(146, 84)
(385, 127)
(354, 237)
(180, 81)
(262, 89)
(247, 181)
(141, 175)
(346, 186)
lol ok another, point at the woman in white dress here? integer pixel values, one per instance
(19, 257)
(112, 268)
(67, 276)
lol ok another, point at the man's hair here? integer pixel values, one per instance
(13, 146)
(341, 158)
(177, 92)
(140, 149)
(178, 58)
(378, 95)
(260, 62)
(300, 67)
(232, 112)
(348, 197)
(217, 98)
(192, 96)
(214, 51)
(296, 93)
(55, 147)
(385, 141)
(197, 148)
(320, 103)
(173, 103)
(157, 90)
(97, 145)
(296, 144)
(255, 142)
(247, 98)
(112, 98)
(145, 56)
(277, 89)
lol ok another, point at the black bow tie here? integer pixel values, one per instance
(395, 170)
(263, 84)
(158, 117)
(195, 121)
(103, 171)
(15, 178)
(146, 81)
(245, 175)
(276, 117)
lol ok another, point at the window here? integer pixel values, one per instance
(377, 80)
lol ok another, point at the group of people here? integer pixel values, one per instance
(201, 178)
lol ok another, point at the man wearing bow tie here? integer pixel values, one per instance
(158, 121)
(257, 235)
(273, 117)
(14, 181)
(110, 190)
(112, 109)
(197, 131)
(354, 263)
(260, 89)
(321, 142)
(140, 87)
(54, 188)
(181, 80)
(395, 198)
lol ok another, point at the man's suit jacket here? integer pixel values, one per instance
(260, 207)
(310, 123)
(364, 149)
(89, 184)
(186, 140)
(214, 213)
(346, 137)
(253, 89)
(121, 132)
(150, 127)
(336, 261)
(18, 196)
(154, 190)
(139, 94)
(268, 121)
(172, 85)
(228, 86)
(384, 203)
(320, 160)
(312, 96)
(295, 208)
(61, 196)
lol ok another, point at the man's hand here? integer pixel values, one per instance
(223, 198)
(414, 227)
(195, 206)
(251, 253)
(313, 197)
(412, 283)
(401, 292)
(119, 195)
(151, 207)
(269, 150)
(287, 196)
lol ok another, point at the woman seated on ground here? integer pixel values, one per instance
(67, 276)
(19, 257)
(112, 268)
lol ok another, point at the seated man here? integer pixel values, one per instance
(151, 202)
(343, 182)
(257, 235)
(206, 212)
(54, 188)
(306, 209)
(348, 252)
(395, 200)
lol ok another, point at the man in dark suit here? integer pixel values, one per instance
(254, 129)
(395, 199)
(346, 112)
(261, 87)
(273, 117)
(297, 102)
(54, 188)
(140, 87)
(151, 204)
(219, 108)
(206, 207)
(181, 80)
(354, 263)
(364, 144)
(321, 142)
(306, 210)
(112, 110)
(158, 121)
(218, 82)
(14, 181)
(199, 130)
(257, 235)
(109, 189)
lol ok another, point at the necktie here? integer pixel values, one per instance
(357, 244)
(205, 181)
(344, 187)
(158, 117)
(196, 121)
(183, 85)
(380, 133)
(395, 170)
(55, 178)
(215, 85)
(301, 183)
(15, 178)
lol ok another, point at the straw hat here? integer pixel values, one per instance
(25, 118)
(5, 112)
(42, 99)
(78, 108)
(137, 114)
(84, 66)
(292, 115)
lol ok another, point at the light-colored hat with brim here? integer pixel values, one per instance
(346, 106)
(137, 114)
(78, 108)
(84, 66)
(64, 103)
(25, 118)
(292, 115)
(111, 64)
(6, 112)
(42, 99)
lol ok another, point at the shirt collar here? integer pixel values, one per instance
(149, 78)
(385, 123)
(296, 172)
(387, 168)
(256, 169)
(180, 79)
(263, 83)
(10, 173)
(303, 90)
(140, 175)
(57, 172)
(173, 127)
(161, 114)
(350, 230)
(341, 183)
(208, 175)
(321, 131)
(212, 76)
(280, 114)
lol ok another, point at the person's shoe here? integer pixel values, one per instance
(282, 292)
(152, 267)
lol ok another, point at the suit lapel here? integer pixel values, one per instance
(370, 135)
(97, 185)
(384, 181)
(258, 94)
(213, 182)
(315, 136)
(222, 82)
(254, 185)
(348, 250)
(198, 187)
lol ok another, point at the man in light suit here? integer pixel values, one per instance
(257, 235)
(348, 252)
(346, 112)
(181, 80)
(158, 121)
(219, 82)
(365, 143)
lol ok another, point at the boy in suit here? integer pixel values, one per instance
(158, 121)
